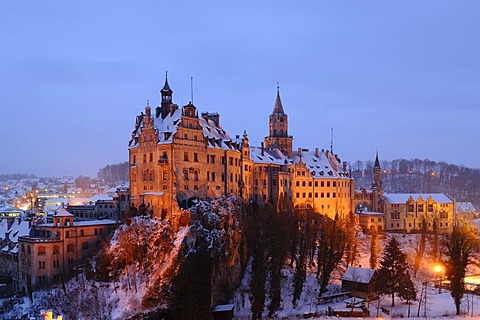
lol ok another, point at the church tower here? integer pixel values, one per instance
(278, 125)
(377, 187)
(166, 94)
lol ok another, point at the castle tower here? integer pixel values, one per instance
(278, 127)
(166, 94)
(377, 187)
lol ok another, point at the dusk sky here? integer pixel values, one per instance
(402, 77)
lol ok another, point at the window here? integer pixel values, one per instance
(334, 183)
(322, 195)
(42, 250)
(82, 233)
(67, 234)
(195, 157)
(309, 183)
(298, 195)
(420, 208)
(303, 183)
(185, 156)
(322, 184)
(212, 158)
(70, 247)
(334, 195)
(316, 194)
(328, 183)
(185, 174)
(309, 194)
(316, 183)
(144, 157)
(56, 250)
(328, 194)
(164, 175)
(85, 246)
(151, 157)
(443, 215)
(230, 161)
(430, 207)
(395, 215)
(298, 183)
(41, 264)
(304, 195)
(213, 176)
(410, 207)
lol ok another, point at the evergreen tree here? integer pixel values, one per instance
(331, 248)
(374, 249)
(277, 247)
(300, 266)
(191, 287)
(393, 276)
(460, 247)
(351, 248)
(421, 248)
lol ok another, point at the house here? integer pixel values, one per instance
(360, 282)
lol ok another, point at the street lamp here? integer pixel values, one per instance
(438, 269)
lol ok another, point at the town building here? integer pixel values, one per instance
(35, 255)
(177, 154)
(393, 212)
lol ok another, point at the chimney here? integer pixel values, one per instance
(316, 152)
(300, 152)
(344, 166)
(263, 148)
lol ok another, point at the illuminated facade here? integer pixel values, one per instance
(176, 155)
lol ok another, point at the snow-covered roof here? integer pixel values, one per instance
(357, 274)
(216, 136)
(224, 307)
(19, 228)
(465, 207)
(270, 156)
(84, 223)
(321, 164)
(101, 197)
(62, 213)
(370, 213)
(403, 197)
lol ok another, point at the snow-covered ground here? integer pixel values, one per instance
(438, 304)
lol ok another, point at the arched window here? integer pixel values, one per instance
(42, 250)
(56, 249)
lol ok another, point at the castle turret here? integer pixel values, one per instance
(166, 94)
(377, 187)
(278, 129)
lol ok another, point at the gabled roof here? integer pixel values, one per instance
(357, 274)
(62, 213)
(403, 197)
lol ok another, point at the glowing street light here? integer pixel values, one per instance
(438, 269)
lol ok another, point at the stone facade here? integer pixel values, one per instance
(54, 250)
(176, 155)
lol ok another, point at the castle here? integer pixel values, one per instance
(176, 155)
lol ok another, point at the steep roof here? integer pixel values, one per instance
(215, 135)
(320, 165)
(62, 213)
(278, 108)
(270, 156)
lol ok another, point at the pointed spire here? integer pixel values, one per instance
(166, 87)
(377, 163)
(278, 108)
